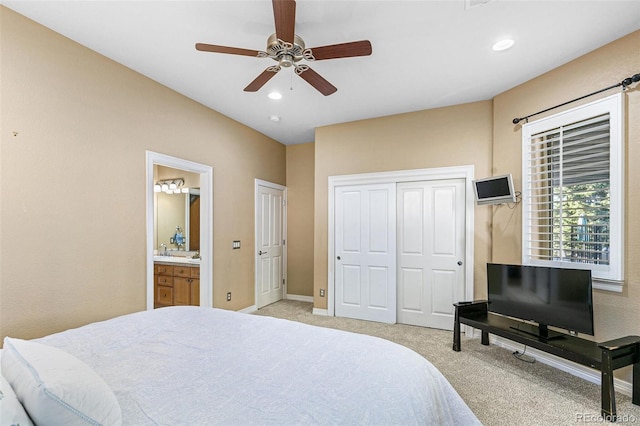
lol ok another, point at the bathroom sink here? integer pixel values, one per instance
(174, 259)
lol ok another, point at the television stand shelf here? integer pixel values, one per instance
(605, 356)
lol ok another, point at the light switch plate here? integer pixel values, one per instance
(236, 244)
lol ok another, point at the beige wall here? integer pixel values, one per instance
(300, 166)
(452, 136)
(615, 315)
(72, 182)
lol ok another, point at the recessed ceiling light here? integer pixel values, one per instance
(274, 118)
(275, 96)
(503, 45)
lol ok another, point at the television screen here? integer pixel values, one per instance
(494, 190)
(551, 296)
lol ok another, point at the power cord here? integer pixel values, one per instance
(518, 195)
(523, 357)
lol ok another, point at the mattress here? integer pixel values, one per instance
(197, 366)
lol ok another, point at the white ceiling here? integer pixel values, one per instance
(426, 54)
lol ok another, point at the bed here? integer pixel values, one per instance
(192, 365)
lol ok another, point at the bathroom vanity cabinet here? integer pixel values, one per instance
(176, 284)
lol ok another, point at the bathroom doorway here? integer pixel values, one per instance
(205, 174)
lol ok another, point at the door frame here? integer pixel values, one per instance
(206, 222)
(260, 182)
(455, 172)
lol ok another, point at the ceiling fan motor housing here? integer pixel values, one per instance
(285, 53)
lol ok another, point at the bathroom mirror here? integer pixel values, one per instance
(177, 214)
(178, 220)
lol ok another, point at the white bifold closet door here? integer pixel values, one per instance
(365, 264)
(431, 249)
(399, 251)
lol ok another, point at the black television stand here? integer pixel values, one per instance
(605, 356)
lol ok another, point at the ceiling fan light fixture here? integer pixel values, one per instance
(286, 61)
(275, 96)
(503, 45)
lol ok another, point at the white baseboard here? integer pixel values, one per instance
(318, 311)
(249, 309)
(299, 298)
(586, 373)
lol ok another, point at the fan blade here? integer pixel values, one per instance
(342, 50)
(230, 50)
(316, 80)
(262, 79)
(284, 14)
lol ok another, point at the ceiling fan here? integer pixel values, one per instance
(287, 49)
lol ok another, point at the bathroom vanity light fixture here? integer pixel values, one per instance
(170, 186)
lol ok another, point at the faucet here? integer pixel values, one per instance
(163, 245)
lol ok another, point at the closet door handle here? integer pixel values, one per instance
(338, 257)
(260, 253)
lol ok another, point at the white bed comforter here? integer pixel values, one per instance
(190, 365)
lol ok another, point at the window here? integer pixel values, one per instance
(573, 193)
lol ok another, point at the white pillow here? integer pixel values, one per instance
(11, 411)
(56, 388)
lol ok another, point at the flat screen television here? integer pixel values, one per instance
(559, 297)
(494, 190)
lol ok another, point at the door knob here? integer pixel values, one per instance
(260, 253)
(459, 262)
(338, 257)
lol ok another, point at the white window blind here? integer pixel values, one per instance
(569, 193)
(572, 186)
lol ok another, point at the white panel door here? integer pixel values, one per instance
(269, 262)
(365, 264)
(431, 249)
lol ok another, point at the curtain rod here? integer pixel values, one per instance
(624, 83)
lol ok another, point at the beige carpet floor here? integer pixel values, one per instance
(499, 389)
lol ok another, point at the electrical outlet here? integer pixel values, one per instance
(229, 297)
(322, 292)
